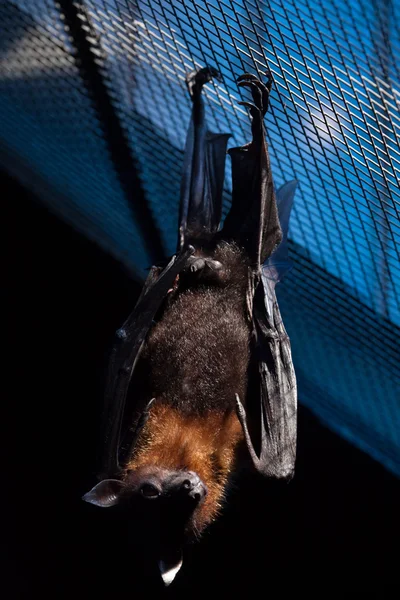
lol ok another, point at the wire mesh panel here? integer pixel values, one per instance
(51, 135)
(334, 126)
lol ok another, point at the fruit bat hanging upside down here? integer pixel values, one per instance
(205, 354)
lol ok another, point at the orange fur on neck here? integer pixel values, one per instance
(204, 444)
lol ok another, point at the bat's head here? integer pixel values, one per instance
(164, 500)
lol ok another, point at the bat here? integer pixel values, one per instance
(201, 378)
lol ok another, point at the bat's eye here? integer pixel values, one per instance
(149, 491)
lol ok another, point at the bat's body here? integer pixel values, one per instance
(194, 362)
(197, 354)
(206, 345)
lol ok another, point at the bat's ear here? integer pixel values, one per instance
(106, 493)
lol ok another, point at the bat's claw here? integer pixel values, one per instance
(195, 80)
(241, 414)
(259, 90)
(252, 108)
(142, 421)
(270, 79)
(261, 461)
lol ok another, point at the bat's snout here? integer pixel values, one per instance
(190, 485)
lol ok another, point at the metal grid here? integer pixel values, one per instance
(334, 126)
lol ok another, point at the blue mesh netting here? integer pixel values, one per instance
(334, 126)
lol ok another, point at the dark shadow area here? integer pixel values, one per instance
(333, 530)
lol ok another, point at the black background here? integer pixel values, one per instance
(333, 530)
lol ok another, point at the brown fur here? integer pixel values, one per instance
(204, 444)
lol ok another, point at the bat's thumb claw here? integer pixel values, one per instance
(241, 414)
(240, 409)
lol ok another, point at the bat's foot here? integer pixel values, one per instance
(259, 90)
(195, 80)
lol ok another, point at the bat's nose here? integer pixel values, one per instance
(190, 484)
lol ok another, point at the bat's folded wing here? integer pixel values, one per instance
(277, 376)
(203, 168)
(126, 351)
(272, 393)
(259, 220)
